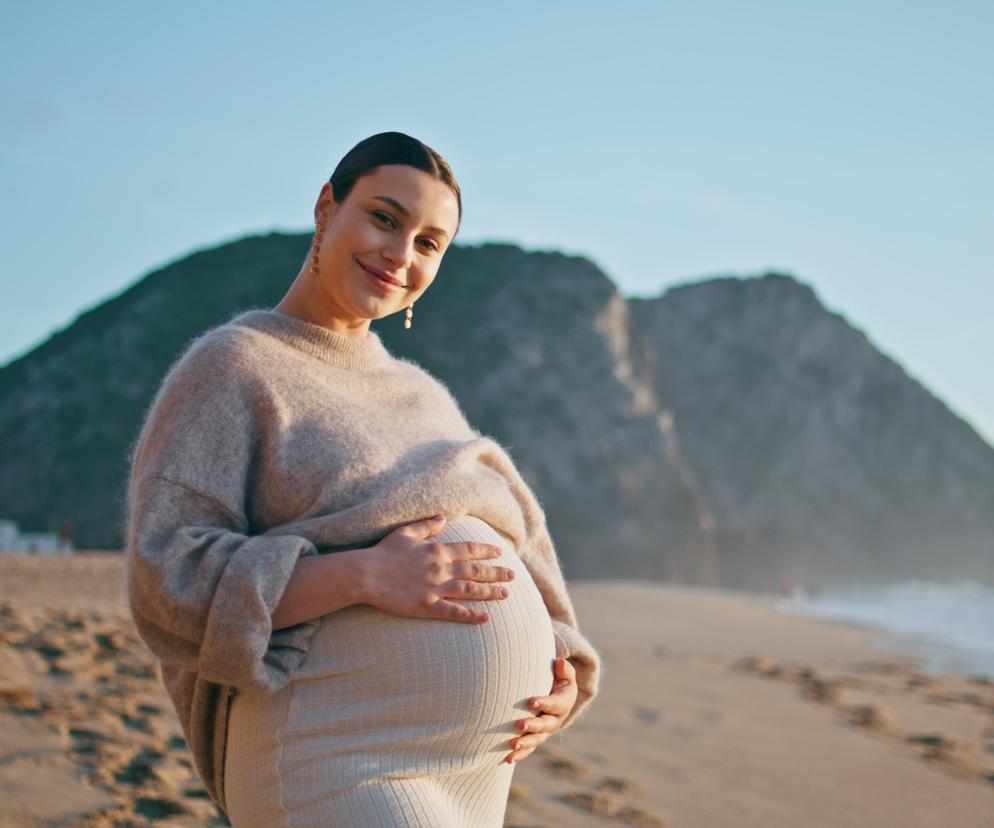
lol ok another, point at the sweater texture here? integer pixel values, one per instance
(271, 438)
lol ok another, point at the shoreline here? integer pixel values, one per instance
(939, 653)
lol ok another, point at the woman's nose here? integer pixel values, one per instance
(399, 251)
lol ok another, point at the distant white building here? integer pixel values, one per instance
(8, 535)
(13, 541)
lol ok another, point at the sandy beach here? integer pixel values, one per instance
(716, 710)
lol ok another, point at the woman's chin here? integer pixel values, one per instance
(373, 307)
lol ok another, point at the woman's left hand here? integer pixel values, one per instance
(550, 712)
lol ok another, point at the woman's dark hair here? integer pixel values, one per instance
(390, 148)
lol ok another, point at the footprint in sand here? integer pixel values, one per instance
(603, 805)
(917, 680)
(769, 668)
(19, 700)
(563, 766)
(646, 715)
(594, 803)
(618, 785)
(156, 808)
(139, 769)
(631, 815)
(873, 717)
(951, 756)
(826, 691)
(935, 741)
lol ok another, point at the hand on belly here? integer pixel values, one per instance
(434, 568)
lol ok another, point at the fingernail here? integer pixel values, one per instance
(535, 704)
(503, 592)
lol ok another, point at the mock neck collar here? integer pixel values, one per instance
(358, 352)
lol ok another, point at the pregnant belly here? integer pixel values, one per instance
(443, 694)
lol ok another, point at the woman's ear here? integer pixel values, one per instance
(325, 204)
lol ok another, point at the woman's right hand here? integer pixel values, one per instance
(409, 574)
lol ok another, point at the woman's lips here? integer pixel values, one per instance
(379, 279)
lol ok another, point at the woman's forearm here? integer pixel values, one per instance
(319, 584)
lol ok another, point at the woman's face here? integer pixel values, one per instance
(397, 220)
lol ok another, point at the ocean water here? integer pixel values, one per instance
(950, 624)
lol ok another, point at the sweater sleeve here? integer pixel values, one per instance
(202, 592)
(201, 587)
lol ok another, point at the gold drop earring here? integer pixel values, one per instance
(408, 314)
(314, 251)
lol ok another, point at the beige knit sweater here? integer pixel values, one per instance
(272, 438)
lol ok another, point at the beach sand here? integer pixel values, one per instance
(715, 710)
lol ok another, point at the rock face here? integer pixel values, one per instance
(727, 432)
(817, 455)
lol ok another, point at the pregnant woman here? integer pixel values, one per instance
(359, 612)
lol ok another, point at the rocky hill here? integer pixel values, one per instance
(818, 456)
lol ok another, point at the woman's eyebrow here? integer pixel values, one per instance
(402, 209)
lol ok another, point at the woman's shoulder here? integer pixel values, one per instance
(224, 354)
(215, 379)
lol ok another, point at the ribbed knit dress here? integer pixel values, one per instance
(273, 438)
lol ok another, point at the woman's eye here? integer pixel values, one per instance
(386, 217)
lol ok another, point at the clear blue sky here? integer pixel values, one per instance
(850, 144)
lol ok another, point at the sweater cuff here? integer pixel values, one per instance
(256, 577)
(289, 645)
